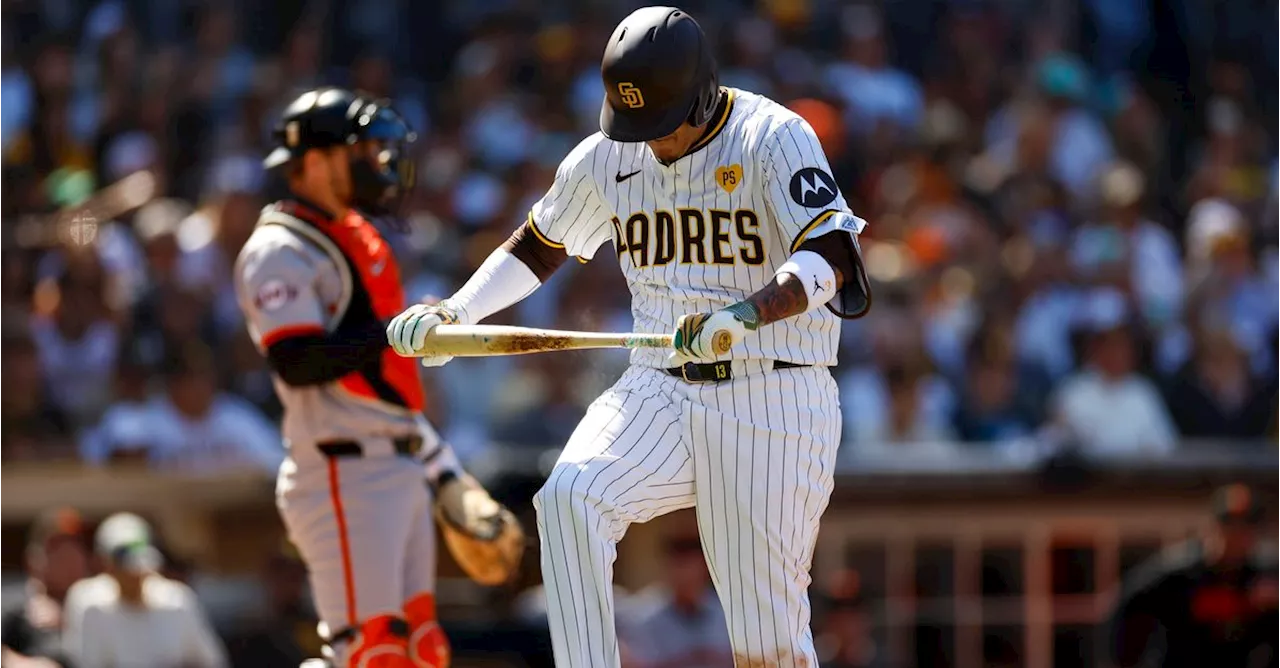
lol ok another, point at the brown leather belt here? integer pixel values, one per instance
(716, 372)
(407, 446)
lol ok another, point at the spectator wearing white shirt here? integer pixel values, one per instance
(1108, 408)
(131, 616)
(1126, 249)
(1228, 289)
(192, 427)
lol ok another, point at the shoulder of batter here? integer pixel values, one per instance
(582, 159)
(762, 127)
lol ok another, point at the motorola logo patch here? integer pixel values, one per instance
(812, 188)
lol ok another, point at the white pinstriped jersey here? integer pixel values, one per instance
(711, 228)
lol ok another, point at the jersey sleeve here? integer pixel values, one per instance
(802, 195)
(276, 288)
(572, 216)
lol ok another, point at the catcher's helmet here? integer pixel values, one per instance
(333, 116)
(658, 72)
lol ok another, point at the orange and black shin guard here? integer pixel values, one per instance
(380, 642)
(428, 648)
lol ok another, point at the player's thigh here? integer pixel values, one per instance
(765, 445)
(626, 460)
(764, 462)
(350, 520)
(421, 550)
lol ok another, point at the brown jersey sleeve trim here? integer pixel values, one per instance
(527, 245)
(542, 237)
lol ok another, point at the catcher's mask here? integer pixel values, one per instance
(377, 137)
(382, 174)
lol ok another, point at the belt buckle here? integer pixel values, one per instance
(692, 372)
(696, 376)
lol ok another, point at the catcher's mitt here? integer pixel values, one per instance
(483, 536)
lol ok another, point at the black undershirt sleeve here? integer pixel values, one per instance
(315, 359)
(542, 260)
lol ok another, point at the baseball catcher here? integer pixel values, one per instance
(317, 283)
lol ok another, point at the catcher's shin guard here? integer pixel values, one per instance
(380, 642)
(428, 647)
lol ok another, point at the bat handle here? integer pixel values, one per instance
(721, 342)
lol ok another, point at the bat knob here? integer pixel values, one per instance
(721, 342)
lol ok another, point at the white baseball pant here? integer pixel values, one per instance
(754, 455)
(365, 530)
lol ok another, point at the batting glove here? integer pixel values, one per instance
(408, 331)
(704, 337)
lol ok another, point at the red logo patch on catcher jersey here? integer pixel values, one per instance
(274, 294)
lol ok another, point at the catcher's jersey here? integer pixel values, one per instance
(709, 229)
(300, 273)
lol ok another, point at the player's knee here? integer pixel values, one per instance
(379, 642)
(560, 492)
(428, 646)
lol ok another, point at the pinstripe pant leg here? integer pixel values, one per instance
(764, 448)
(625, 463)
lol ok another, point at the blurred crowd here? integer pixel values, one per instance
(1073, 213)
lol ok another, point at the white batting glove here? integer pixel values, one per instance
(705, 337)
(408, 331)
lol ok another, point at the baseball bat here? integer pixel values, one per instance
(78, 225)
(489, 340)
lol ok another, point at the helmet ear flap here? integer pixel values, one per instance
(705, 104)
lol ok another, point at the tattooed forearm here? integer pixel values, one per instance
(781, 299)
(786, 296)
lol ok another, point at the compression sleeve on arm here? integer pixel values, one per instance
(817, 277)
(501, 281)
(841, 252)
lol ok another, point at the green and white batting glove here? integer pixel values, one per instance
(705, 337)
(408, 331)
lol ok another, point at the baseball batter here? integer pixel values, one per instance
(317, 283)
(722, 211)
